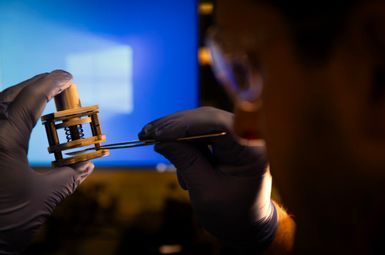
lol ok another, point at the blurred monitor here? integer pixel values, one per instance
(136, 59)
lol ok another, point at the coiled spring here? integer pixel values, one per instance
(74, 133)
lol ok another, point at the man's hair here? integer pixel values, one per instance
(315, 24)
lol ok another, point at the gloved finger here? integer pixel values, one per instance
(59, 183)
(193, 168)
(150, 128)
(199, 121)
(181, 180)
(205, 120)
(229, 151)
(153, 130)
(9, 94)
(84, 169)
(27, 107)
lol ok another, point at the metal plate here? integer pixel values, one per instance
(73, 122)
(77, 143)
(71, 113)
(80, 158)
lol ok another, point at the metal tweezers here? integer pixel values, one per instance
(139, 143)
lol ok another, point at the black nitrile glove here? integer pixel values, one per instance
(229, 184)
(27, 198)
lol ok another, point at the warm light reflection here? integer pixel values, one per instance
(170, 249)
(204, 56)
(206, 8)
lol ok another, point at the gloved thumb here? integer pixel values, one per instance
(192, 166)
(30, 102)
(62, 182)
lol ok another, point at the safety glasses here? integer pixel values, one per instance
(237, 70)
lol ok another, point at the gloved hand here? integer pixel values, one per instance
(27, 198)
(229, 184)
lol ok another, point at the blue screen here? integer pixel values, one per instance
(136, 59)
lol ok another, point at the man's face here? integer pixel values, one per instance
(287, 90)
(312, 116)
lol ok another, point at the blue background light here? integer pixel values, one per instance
(136, 59)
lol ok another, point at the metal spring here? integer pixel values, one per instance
(81, 131)
(68, 133)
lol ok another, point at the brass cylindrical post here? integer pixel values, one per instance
(53, 138)
(95, 128)
(68, 99)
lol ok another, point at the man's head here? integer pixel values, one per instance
(315, 25)
(323, 113)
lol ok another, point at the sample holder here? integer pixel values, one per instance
(71, 117)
